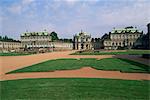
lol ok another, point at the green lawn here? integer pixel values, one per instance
(14, 54)
(123, 65)
(128, 52)
(74, 89)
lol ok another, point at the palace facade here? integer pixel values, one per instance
(62, 46)
(10, 46)
(126, 38)
(122, 38)
(42, 41)
(36, 40)
(82, 41)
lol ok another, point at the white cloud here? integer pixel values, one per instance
(73, 2)
(103, 19)
(70, 16)
(78, 0)
(138, 13)
(26, 2)
(16, 9)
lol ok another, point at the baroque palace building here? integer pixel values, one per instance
(122, 38)
(43, 40)
(125, 38)
(82, 41)
(36, 40)
(10, 46)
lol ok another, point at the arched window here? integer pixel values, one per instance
(116, 44)
(113, 43)
(82, 46)
(130, 43)
(120, 43)
(87, 46)
(86, 39)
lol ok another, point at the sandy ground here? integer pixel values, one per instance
(85, 72)
(9, 63)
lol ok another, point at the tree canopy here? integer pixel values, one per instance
(7, 39)
(54, 36)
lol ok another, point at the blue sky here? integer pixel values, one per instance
(68, 17)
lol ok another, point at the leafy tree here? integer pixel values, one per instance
(7, 39)
(54, 36)
(1, 38)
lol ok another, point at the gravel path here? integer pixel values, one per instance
(9, 63)
(85, 72)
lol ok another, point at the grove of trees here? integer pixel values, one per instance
(7, 39)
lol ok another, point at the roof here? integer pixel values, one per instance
(124, 30)
(84, 34)
(35, 34)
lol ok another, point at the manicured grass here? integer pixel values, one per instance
(123, 65)
(128, 52)
(74, 89)
(14, 54)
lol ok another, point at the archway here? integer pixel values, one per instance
(82, 46)
(87, 46)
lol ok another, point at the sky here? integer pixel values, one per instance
(69, 17)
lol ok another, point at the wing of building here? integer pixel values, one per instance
(10, 46)
(82, 41)
(36, 41)
(122, 38)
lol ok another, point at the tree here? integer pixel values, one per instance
(54, 36)
(1, 38)
(5, 38)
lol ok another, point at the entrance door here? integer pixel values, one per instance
(87, 46)
(82, 46)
